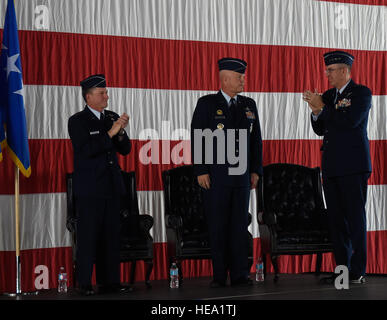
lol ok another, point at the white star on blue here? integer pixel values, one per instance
(11, 64)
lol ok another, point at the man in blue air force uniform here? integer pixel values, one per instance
(341, 116)
(97, 135)
(235, 167)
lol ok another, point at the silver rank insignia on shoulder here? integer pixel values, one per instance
(94, 132)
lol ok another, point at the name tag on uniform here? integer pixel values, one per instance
(94, 132)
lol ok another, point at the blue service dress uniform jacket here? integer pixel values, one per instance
(96, 169)
(343, 123)
(212, 112)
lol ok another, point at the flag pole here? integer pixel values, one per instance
(17, 237)
(18, 291)
(17, 233)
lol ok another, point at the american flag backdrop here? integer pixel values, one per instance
(159, 57)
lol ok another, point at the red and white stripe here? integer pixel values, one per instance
(159, 57)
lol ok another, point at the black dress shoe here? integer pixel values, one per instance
(86, 290)
(244, 282)
(328, 280)
(217, 284)
(356, 279)
(123, 289)
(114, 288)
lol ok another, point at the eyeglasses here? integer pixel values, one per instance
(330, 70)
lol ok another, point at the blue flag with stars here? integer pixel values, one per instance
(13, 125)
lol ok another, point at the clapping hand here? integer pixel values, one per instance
(119, 125)
(314, 100)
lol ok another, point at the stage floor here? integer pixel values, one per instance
(289, 287)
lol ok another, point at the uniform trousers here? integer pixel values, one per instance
(346, 198)
(98, 240)
(227, 217)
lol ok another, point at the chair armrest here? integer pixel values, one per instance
(173, 221)
(268, 218)
(260, 217)
(146, 222)
(71, 223)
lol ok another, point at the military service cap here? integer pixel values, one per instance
(232, 64)
(338, 57)
(94, 81)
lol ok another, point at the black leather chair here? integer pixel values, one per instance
(136, 241)
(186, 225)
(291, 214)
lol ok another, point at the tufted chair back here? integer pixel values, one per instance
(185, 213)
(136, 241)
(293, 219)
(184, 200)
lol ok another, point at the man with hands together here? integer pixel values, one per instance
(340, 115)
(97, 135)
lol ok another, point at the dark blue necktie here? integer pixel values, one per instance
(337, 96)
(233, 109)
